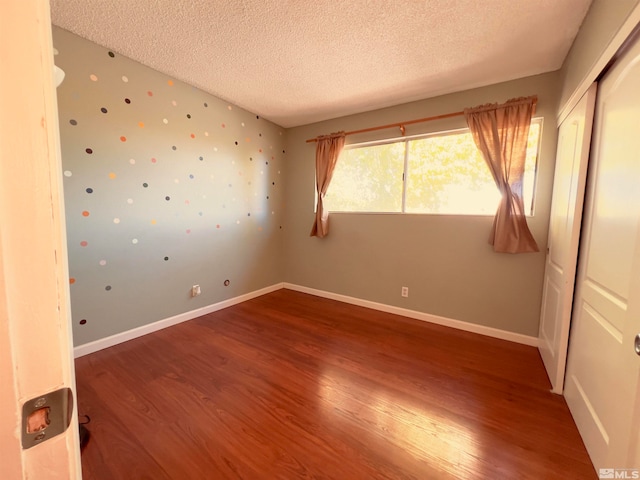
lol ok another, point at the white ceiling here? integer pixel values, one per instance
(296, 61)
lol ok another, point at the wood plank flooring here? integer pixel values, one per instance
(289, 386)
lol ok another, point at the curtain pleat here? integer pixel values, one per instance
(501, 134)
(328, 150)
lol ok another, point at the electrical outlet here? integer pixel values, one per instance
(405, 291)
(195, 290)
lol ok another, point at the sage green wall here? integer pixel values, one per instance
(602, 22)
(445, 260)
(165, 187)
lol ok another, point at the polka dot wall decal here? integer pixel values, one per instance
(150, 93)
(153, 221)
(223, 125)
(123, 138)
(242, 124)
(85, 213)
(72, 281)
(167, 198)
(93, 78)
(84, 243)
(258, 117)
(191, 176)
(112, 175)
(130, 201)
(215, 149)
(188, 231)
(89, 190)
(247, 139)
(200, 213)
(125, 79)
(165, 121)
(170, 83)
(235, 143)
(230, 107)
(174, 147)
(111, 54)
(102, 263)
(153, 160)
(73, 122)
(132, 161)
(188, 115)
(145, 184)
(166, 259)
(134, 241)
(103, 110)
(174, 103)
(218, 226)
(116, 220)
(201, 158)
(127, 101)
(206, 134)
(141, 124)
(67, 173)
(88, 150)
(83, 321)
(192, 135)
(205, 104)
(107, 288)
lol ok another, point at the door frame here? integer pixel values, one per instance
(35, 322)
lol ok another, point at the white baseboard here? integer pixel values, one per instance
(426, 317)
(92, 347)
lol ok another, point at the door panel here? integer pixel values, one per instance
(603, 370)
(572, 158)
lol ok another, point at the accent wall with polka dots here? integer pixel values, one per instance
(165, 187)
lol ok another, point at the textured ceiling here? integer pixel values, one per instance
(297, 62)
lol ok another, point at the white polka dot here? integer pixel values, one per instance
(230, 107)
(174, 103)
(132, 161)
(206, 134)
(103, 263)
(134, 241)
(165, 121)
(176, 180)
(67, 173)
(125, 79)
(130, 201)
(215, 149)
(93, 78)
(242, 124)
(238, 222)
(116, 220)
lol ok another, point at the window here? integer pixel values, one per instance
(441, 173)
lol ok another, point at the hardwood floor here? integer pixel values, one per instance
(289, 386)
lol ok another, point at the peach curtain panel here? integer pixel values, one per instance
(501, 133)
(328, 150)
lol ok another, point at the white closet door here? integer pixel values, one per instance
(603, 370)
(572, 159)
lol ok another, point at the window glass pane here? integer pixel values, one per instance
(446, 174)
(368, 179)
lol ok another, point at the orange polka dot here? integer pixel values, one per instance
(260, 150)
(123, 138)
(170, 83)
(223, 125)
(193, 135)
(72, 281)
(112, 175)
(247, 139)
(84, 243)
(154, 221)
(141, 124)
(150, 93)
(85, 214)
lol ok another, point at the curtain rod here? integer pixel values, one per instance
(401, 125)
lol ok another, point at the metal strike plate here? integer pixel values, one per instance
(46, 416)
